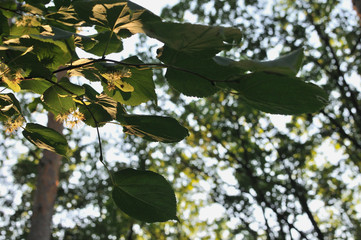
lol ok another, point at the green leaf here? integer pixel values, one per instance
(49, 52)
(9, 106)
(103, 43)
(58, 99)
(140, 79)
(35, 85)
(194, 76)
(114, 15)
(193, 39)
(153, 128)
(288, 64)
(39, 52)
(103, 108)
(144, 195)
(96, 111)
(71, 87)
(279, 94)
(46, 138)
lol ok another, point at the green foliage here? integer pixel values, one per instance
(154, 128)
(46, 138)
(42, 43)
(144, 195)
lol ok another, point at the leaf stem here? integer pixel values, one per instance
(101, 157)
(140, 65)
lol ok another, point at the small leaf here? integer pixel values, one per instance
(13, 85)
(46, 138)
(144, 195)
(279, 94)
(9, 106)
(153, 128)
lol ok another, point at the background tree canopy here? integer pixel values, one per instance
(274, 182)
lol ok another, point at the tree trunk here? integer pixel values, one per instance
(46, 189)
(357, 6)
(46, 186)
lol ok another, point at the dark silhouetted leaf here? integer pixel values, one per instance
(153, 128)
(144, 195)
(279, 94)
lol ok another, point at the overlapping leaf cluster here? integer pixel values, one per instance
(42, 41)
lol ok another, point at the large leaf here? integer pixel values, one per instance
(58, 100)
(49, 52)
(153, 128)
(46, 138)
(144, 195)
(114, 15)
(279, 94)
(189, 38)
(140, 79)
(194, 76)
(288, 64)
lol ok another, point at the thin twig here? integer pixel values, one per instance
(101, 158)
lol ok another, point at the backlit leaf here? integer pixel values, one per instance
(140, 79)
(58, 99)
(46, 138)
(288, 64)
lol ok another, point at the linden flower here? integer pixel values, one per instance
(28, 21)
(71, 119)
(115, 80)
(13, 125)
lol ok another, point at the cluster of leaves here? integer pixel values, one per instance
(42, 41)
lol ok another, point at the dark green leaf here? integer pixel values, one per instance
(194, 76)
(153, 128)
(201, 40)
(144, 195)
(279, 94)
(46, 138)
(96, 111)
(9, 106)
